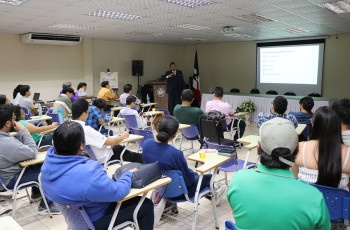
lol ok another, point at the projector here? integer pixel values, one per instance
(227, 29)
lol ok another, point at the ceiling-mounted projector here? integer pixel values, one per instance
(227, 29)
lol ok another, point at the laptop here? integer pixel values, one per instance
(36, 96)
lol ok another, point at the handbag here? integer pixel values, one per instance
(146, 173)
(216, 116)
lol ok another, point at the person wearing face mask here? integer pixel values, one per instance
(15, 150)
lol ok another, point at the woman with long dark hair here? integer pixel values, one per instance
(324, 159)
(17, 95)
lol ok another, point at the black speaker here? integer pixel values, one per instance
(137, 67)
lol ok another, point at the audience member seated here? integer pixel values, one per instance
(106, 92)
(141, 121)
(17, 95)
(342, 108)
(128, 92)
(171, 158)
(278, 109)
(64, 102)
(74, 96)
(305, 115)
(97, 116)
(100, 144)
(69, 176)
(270, 197)
(186, 114)
(82, 91)
(15, 150)
(4, 100)
(218, 105)
(25, 102)
(324, 159)
(34, 130)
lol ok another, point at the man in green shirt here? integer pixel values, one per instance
(184, 112)
(270, 197)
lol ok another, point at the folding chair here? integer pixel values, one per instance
(231, 129)
(166, 112)
(148, 135)
(25, 186)
(191, 134)
(106, 163)
(27, 113)
(228, 165)
(229, 225)
(338, 202)
(178, 187)
(130, 122)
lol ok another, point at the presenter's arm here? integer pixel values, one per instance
(167, 75)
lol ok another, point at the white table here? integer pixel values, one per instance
(263, 102)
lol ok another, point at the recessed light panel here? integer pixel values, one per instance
(145, 33)
(235, 35)
(339, 7)
(114, 15)
(13, 2)
(196, 39)
(295, 30)
(253, 18)
(71, 26)
(191, 27)
(190, 3)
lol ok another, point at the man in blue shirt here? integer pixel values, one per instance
(278, 109)
(97, 117)
(304, 116)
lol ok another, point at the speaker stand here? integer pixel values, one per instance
(138, 94)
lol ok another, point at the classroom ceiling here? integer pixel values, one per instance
(169, 22)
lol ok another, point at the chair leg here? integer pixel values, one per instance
(14, 204)
(30, 199)
(192, 146)
(45, 202)
(226, 182)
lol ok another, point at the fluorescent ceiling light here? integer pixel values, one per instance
(13, 2)
(144, 33)
(114, 15)
(74, 27)
(295, 30)
(196, 39)
(190, 3)
(338, 7)
(253, 18)
(235, 35)
(191, 27)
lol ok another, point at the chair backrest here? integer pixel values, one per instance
(255, 91)
(55, 118)
(314, 94)
(337, 200)
(208, 129)
(272, 92)
(290, 93)
(166, 112)
(147, 134)
(123, 104)
(130, 121)
(229, 225)
(177, 186)
(76, 217)
(88, 149)
(26, 113)
(191, 132)
(235, 90)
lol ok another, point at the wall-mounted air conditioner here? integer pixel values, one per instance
(50, 39)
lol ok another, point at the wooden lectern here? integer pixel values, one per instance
(160, 95)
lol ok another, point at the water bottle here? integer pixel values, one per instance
(40, 110)
(60, 116)
(148, 101)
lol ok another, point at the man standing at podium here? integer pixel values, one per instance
(175, 85)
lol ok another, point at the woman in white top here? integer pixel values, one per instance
(324, 159)
(17, 95)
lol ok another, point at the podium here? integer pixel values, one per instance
(160, 95)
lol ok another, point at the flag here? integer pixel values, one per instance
(196, 85)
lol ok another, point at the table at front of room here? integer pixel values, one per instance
(263, 102)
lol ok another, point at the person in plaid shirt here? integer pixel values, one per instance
(97, 117)
(278, 109)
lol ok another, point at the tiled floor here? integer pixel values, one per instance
(185, 209)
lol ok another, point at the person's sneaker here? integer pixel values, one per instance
(35, 197)
(53, 209)
(220, 191)
(5, 209)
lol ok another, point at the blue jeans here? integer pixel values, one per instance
(31, 174)
(47, 140)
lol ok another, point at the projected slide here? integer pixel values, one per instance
(289, 64)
